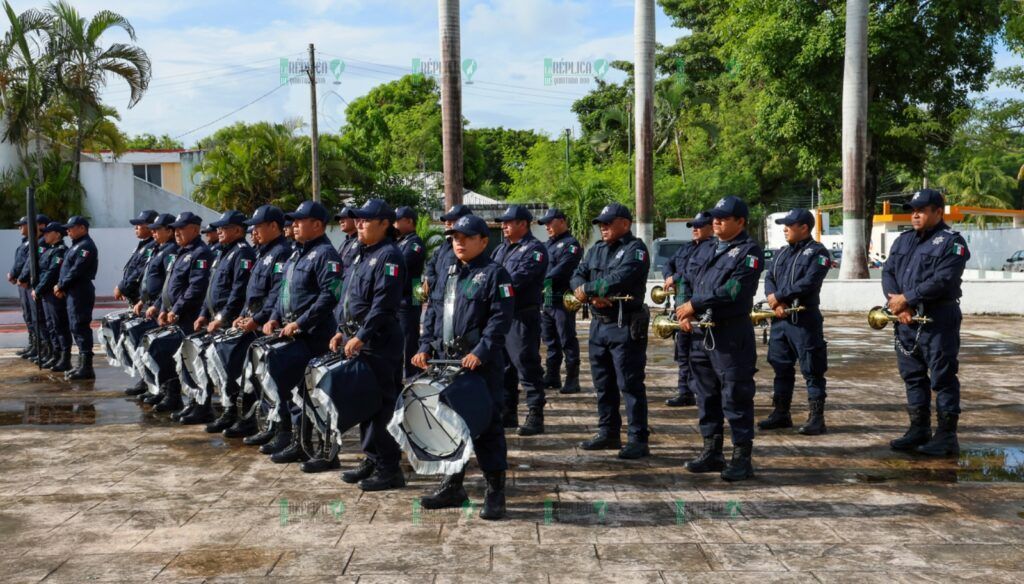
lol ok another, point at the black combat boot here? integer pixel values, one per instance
(84, 369)
(29, 349)
(815, 425)
(551, 379)
(226, 419)
(315, 465)
(364, 470)
(63, 363)
(41, 355)
(634, 449)
(154, 398)
(282, 439)
(254, 437)
(176, 416)
(51, 360)
(740, 468)
(202, 413)
(293, 453)
(572, 380)
(383, 479)
(172, 397)
(449, 494)
(603, 440)
(944, 442)
(780, 416)
(919, 433)
(494, 497)
(710, 458)
(534, 423)
(681, 400)
(135, 390)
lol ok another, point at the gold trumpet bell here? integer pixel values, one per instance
(659, 295)
(759, 316)
(571, 303)
(879, 317)
(664, 326)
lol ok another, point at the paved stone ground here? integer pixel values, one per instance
(94, 489)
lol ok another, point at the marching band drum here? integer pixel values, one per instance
(337, 395)
(110, 334)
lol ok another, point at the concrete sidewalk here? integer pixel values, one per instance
(93, 488)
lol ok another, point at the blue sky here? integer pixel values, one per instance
(210, 58)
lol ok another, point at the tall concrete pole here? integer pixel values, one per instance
(314, 132)
(855, 128)
(643, 112)
(451, 101)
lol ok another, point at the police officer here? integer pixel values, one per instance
(347, 250)
(224, 298)
(211, 239)
(22, 278)
(267, 224)
(471, 323)
(289, 233)
(443, 256)
(54, 309)
(77, 272)
(526, 260)
(154, 274)
(369, 329)
(922, 277)
(558, 325)
(304, 311)
(414, 253)
(723, 358)
(795, 281)
(617, 266)
(128, 288)
(182, 296)
(700, 229)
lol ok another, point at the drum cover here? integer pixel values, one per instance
(110, 333)
(190, 364)
(436, 418)
(278, 366)
(130, 343)
(343, 391)
(225, 359)
(159, 346)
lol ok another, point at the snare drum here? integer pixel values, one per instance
(437, 416)
(158, 348)
(130, 345)
(343, 393)
(190, 363)
(275, 366)
(110, 334)
(225, 360)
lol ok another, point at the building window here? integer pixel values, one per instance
(149, 173)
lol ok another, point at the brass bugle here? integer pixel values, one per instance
(660, 295)
(760, 315)
(880, 316)
(572, 304)
(665, 325)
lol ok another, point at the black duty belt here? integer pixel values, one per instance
(627, 317)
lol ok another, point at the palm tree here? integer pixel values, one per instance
(82, 64)
(980, 183)
(451, 100)
(643, 50)
(855, 123)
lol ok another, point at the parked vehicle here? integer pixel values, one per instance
(1015, 263)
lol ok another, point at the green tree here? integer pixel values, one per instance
(151, 142)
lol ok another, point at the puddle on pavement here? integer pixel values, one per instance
(60, 413)
(986, 464)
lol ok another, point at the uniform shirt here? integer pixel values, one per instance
(564, 256)
(437, 267)
(187, 279)
(26, 270)
(155, 272)
(727, 280)
(49, 267)
(414, 253)
(699, 255)
(526, 261)
(615, 269)
(131, 281)
(80, 264)
(311, 287)
(20, 258)
(265, 281)
(347, 251)
(927, 267)
(481, 311)
(373, 289)
(225, 295)
(675, 266)
(797, 273)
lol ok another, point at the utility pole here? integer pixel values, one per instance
(451, 100)
(854, 144)
(643, 95)
(315, 137)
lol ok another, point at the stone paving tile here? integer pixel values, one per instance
(135, 567)
(420, 559)
(16, 569)
(637, 556)
(737, 577)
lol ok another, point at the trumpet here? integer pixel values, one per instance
(660, 295)
(664, 325)
(880, 316)
(419, 293)
(572, 304)
(761, 315)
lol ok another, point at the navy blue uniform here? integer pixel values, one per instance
(308, 295)
(25, 277)
(618, 334)
(928, 270)
(24, 294)
(369, 309)
(264, 284)
(723, 360)
(437, 267)
(185, 284)
(131, 281)
(526, 261)
(225, 295)
(795, 279)
(414, 253)
(155, 272)
(558, 325)
(480, 318)
(347, 252)
(77, 272)
(675, 268)
(54, 309)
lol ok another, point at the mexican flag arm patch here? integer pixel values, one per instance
(752, 262)
(391, 270)
(506, 291)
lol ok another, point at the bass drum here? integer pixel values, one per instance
(158, 347)
(110, 334)
(338, 394)
(225, 359)
(437, 416)
(275, 367)
(132, 355)
(190, 363)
